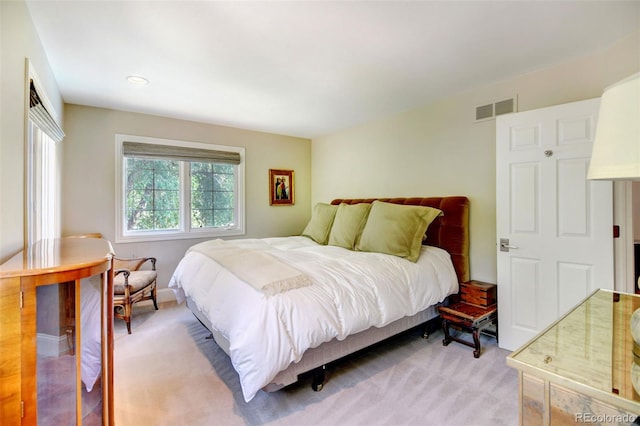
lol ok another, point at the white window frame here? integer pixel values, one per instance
(185, 230)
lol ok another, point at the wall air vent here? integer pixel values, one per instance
(504, 107)
(494, 109)
(483, 112)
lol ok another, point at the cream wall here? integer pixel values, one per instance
(88, 183)
(18, 41)
(439, 150)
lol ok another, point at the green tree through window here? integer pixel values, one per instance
(153, 194)
(212, 195)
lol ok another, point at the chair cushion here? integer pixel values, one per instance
(138, 280)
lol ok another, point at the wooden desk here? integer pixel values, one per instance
(581, 369)
(50, 262)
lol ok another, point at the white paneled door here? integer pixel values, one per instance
(555, 228)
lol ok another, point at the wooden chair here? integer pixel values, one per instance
(131, 284)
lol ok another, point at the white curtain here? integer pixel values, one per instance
(44, 205)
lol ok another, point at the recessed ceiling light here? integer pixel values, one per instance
(137, 80)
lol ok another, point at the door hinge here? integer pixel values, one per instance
(616, 231)
(22, 409)
(21, 299)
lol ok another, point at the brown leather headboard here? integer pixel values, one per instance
(449, 232)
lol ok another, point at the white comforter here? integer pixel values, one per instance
(351, 292)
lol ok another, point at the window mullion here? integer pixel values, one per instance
(185, 195)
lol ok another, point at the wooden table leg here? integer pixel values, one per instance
(476, 341)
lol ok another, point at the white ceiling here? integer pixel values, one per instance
(308, 68)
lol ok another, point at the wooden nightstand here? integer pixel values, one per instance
(476, 311)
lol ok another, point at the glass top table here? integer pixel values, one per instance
(590, 349)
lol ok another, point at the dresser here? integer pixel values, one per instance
(56, 303)
(582, 368)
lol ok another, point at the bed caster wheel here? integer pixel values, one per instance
(319, 379)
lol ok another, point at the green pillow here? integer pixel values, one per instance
(319, 226)
(396, 229)
(348, 224)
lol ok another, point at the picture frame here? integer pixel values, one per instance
(281, 187)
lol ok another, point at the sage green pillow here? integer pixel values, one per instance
(396, 229)
(319, 226)
(348, 224)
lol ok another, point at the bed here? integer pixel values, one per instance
(349, 297)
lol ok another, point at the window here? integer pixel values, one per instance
(43, 207)
(170, 189)
(212, 195)
(152, 194)
(43, 166)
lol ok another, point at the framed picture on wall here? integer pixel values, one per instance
(281, 187)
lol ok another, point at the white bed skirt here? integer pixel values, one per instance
(330, 351)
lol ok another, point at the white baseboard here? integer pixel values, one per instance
(49, 345)
(163, 295)
(166, 295)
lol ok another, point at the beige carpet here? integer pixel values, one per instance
(168, 373)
